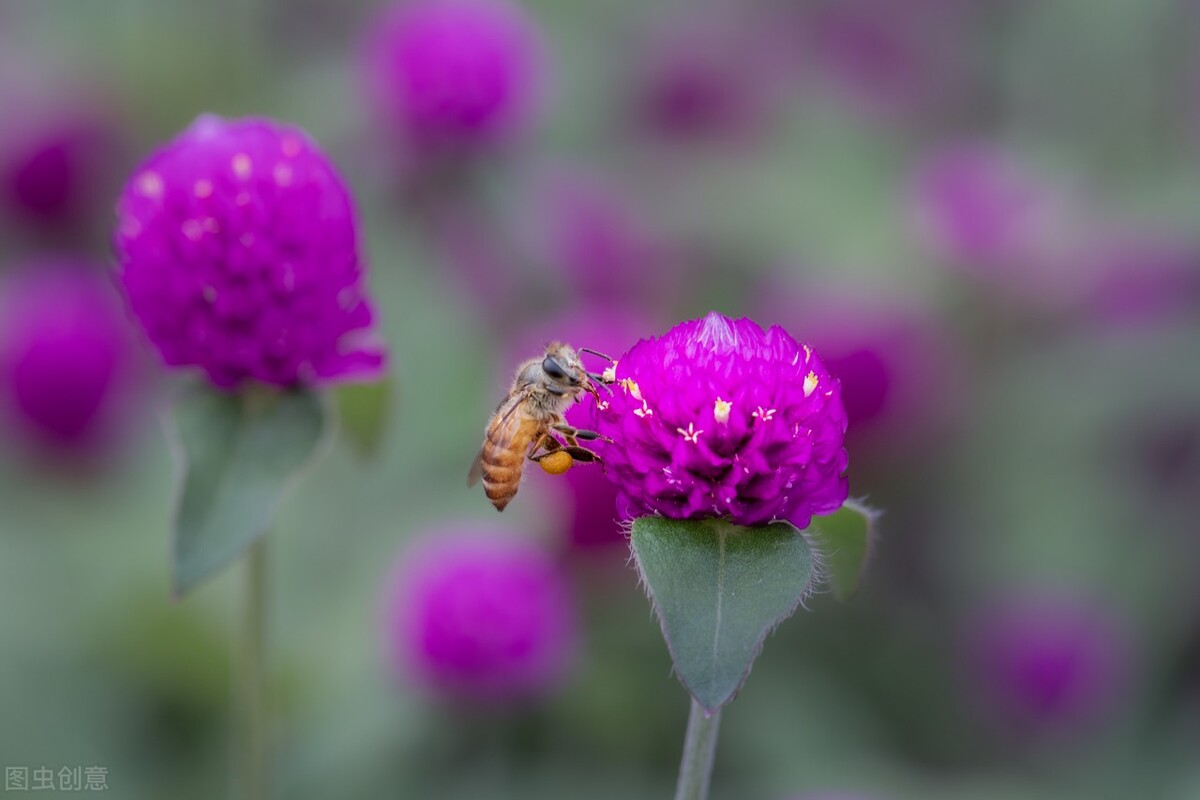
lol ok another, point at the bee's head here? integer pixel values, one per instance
(562, 365)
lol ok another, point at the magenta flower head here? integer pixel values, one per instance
(474, 613)
(980, 206)
(66, 356)
(718, 418)
(454, 75)
(897, 371)
(1139, 277)
(588, 226)
(889, 58)
(1048, 662)
(703, 77)
(237, 249)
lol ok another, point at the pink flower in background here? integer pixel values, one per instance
(473, 612)
(237, 249)
(56, 156)
(718, 418)
(1139, 277)
(887, 56)
(1048, 662)
(981, 209)
(585, 226)
(455, 75)
(894, 361)
(979, 206)
(703, 76)
(66, 355)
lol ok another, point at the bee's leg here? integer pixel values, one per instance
(545, 443)
(571, 433)
(582, 454)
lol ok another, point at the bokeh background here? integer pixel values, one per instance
(982, 213)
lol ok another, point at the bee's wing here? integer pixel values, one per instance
(476, 469)
(505, 422)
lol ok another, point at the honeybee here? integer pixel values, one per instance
(529, 420)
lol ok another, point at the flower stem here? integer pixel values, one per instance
(699, 747)
(250, 755)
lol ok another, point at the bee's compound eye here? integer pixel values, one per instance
(556, 463)
(553, 369)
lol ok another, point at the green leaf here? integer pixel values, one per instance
(718, 590)
(843, 543)
(239, 456)
(363, 410)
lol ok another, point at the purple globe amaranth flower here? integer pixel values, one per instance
(51, 180)
(890, 58)
(474, 613)
(454, 75)
(897, 366)
(718, 418)
(66, 355)
(1138, 277)
(983, 210)
(1047, 661)
(704, 76)
(237, 245)
(587, 226)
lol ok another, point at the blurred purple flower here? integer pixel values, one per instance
(888, 56)
(237, 245)
(718, 418)
(979, 208)
(478, 262)
(703, 76)
(475, 613)
(1048, 662)
(977, 205)
(1138, 277)
(893, 360)
(54, 163)
(66, 355)
(585, 226)
(454, 75)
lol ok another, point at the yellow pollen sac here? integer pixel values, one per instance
(557, 463)
(610, 373)
(631, 386)
(810, 383)
(721, 411)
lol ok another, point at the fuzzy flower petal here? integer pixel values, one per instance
(718, 418)
(66, 355)
(454, 74)
(477, 614)
(237, 245)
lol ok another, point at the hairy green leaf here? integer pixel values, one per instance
(239, 455)
(843, 543)
(718, 590)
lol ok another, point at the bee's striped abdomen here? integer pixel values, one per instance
(502, 463)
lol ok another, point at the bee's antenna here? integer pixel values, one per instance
(595, 353)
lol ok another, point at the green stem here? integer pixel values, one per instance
(699, 747)
(250, 754)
